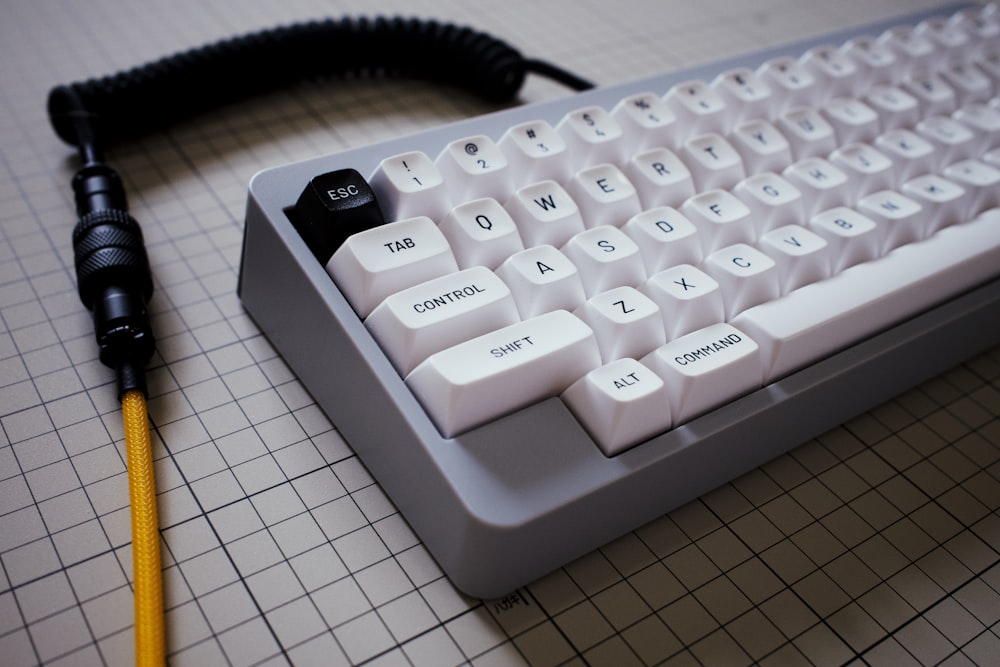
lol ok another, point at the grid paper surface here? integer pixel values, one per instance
(876, 543)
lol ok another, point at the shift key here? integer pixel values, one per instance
(497, 373)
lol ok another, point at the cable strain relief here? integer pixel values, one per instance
(130, 376)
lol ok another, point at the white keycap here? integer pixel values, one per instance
(536, 152)
(822, 184)
(660, 178)
(495, 374)
(808, 133)
(542, 279)
(818, 319)
(474, 167)
(951, 41)
(802, 256)
(410, 185)
(626, 323)
(481, 232)
(852, 237)
(706, 369)
(772, 200)
(911, 154)
(983, 120)
(899, 219)
(915, 52)
(851, 119)
(689, 299)
(721, 219)
(714, 163)
(868, 170)
(875, 60)
(413, 324)
(762, 146)
(698, 107)
(604, 195)
(952, 140)
(647, 121)
(605, 257)
(970, 84)
(544, 213)
(935, 96)
(793, 85)
(746, 93)
(620, 404)
(746, 276)
(943, 202)
(836, 73)
(593, 137)
(371, 265)
(665, 238)
(980, 180)
(895, 107)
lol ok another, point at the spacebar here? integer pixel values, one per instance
(487, 377)
(819, 319)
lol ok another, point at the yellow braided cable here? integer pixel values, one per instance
(146, 570)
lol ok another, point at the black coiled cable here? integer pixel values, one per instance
(111, 264)
(136, 101)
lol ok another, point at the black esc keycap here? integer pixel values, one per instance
(332, 207)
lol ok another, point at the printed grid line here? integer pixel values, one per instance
(718, 579)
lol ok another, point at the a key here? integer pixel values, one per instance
(542, 279)
(852, 237)
(474, 167)
(605, 257)
(481, 232)
(868, 170)
(762, 146)
(943, 202)
(410, 185)
(545, 213)
(745, 91)
(604, 195)
(802, 256)
(898, 218)
(373, 264)
(699, 107)
(688, 298)
(714, 163)
(980, 180)
(593, 137)
(536, 152)
(822, 184)
(745, 275)
(705, 369)
(647, 121)
(660, 178)
(414, 323)
(911, 154)
(721, 219)
(331, 208)
(665, 238)
(626, 323)
(772, 200)
(494, 374)
(808, 133)
(620, 404)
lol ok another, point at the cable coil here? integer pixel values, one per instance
(131, 103)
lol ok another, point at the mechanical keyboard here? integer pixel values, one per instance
(544, 327)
